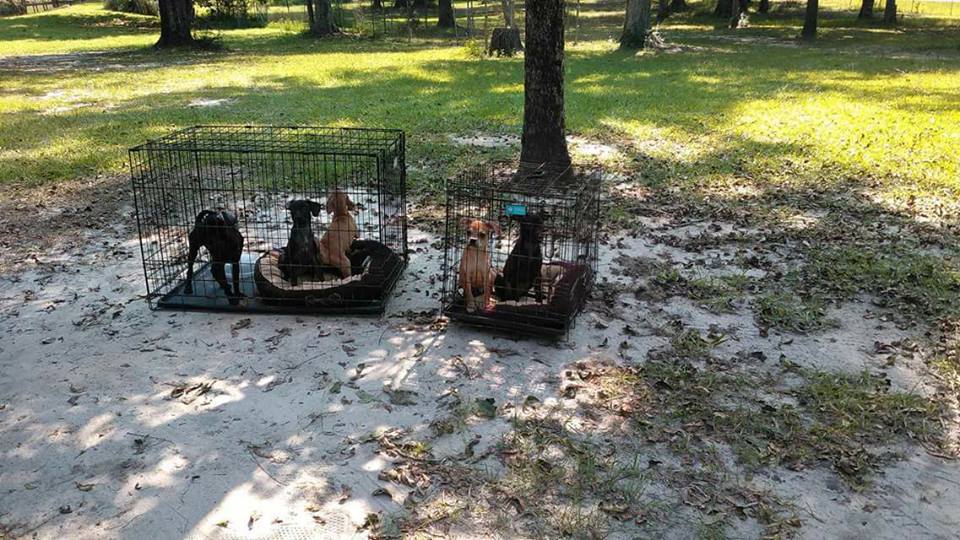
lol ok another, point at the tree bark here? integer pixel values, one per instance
(509, 13)
(676, 6)
(176, 20)
(866, 10)
(544, 140)
(445, 16)
(320, 13)
(377, 4)
(809, 31)
(724, 9)
(663, 9)
(890, 12)
(636, 25)
(764, 6)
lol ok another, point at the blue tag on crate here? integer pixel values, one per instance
(516, 210)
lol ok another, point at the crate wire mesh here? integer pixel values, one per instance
(568, 205)
(254, 172)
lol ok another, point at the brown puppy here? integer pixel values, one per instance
(475, 269)
(336, 241)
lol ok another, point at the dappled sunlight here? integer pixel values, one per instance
(777, 246)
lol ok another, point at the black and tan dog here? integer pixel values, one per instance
(301, 254)
(522, 270)
(217, 231)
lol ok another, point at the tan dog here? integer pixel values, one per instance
(333, 247)
(475, 268)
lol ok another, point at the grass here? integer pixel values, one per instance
(786, 311)
(907, 281)
(778, 114)
(840, 419)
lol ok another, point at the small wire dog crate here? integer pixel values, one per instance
(257, 218)
(524, 245)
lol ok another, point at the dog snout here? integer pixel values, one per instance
(472, 241)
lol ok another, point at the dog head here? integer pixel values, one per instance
(339, 204)
(216, 219)
(479, 230)
(301, 210)
(531, 226)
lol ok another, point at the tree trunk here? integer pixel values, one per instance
(724, 9)
(890, 12)
(544, 140)
(320, 13)
(176, 19)
(676, 6)
(663, 9)
(636, 25)
(509, 13)
(377, 4)
(809, 31)
(866, 10)
(764, 6)
(445, 14)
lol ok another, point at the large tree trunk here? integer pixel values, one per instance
(176, 20)
(724, 9)
(676, 6)
(446, 19)
(544, 140)
(809, 31)
(764, 6)
(890, 12)
(320, 13)
(866, 10)
(636, 25)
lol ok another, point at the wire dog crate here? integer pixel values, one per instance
(527, 243)
(274, 219)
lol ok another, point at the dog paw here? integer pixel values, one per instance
(471, 308)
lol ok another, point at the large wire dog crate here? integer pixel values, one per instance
(257, 218)
(538, 233)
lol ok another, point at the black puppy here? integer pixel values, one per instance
(522, 270)
(217, 231)
(301, 255)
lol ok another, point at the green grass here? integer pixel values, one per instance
(907, 281)
(840, 419)
(779, 115)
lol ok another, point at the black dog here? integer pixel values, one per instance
(301, 255)
(522, 270)
(217, 231)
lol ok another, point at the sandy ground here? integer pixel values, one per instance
(106, 433)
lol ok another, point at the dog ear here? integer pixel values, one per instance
(494, 227)
(287, 206)
(351, 206)
(229, 217)
(315, 208)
